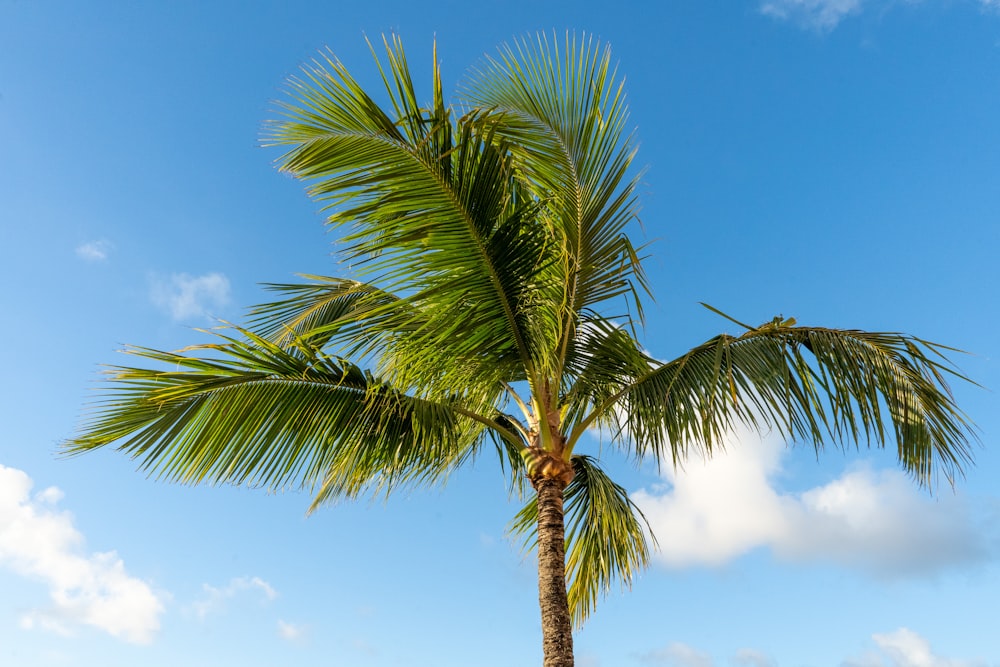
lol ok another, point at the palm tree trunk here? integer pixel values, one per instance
(557, 628)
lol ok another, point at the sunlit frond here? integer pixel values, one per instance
(248, 411)
(353, 316)
(602, 358)
(811, 384)
(437, 215)
(561, 105)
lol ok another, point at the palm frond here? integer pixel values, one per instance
(511, 453)
(351, 315)
(248, 411)
(602, 358)
(437, 216)
(809, 383)
(606, 537)
(563, 111)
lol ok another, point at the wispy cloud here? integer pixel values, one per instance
(905, 648)
(186, 297)
(748, 657)
(291, 631)
(38, 540)
(214, 599)
(94, 251)
(825, 15)
(818, 14)
(676, 655)
(875, 521)
(901, 648)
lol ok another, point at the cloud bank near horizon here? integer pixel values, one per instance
(876, 521)
(901, 648)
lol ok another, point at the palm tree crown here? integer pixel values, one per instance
(488, 244)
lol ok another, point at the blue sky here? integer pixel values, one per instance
(833, 160)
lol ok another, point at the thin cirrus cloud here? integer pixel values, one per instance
(214, 600)
(818, 14)
(748, 657)
(39, 541)
(94, 251)
(905, 648)
(900, 648)
(677, 655)
(187, 297)
(291, 631)
(714, 511)
(825, 15)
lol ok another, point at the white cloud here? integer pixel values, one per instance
(901, 648)
(818, 14)
(186, 297)
(291, 631)
(905, 648)
(752, 658)
(214, 599)
(94, 251)
(717, 510)
(677, 655)
(825, 15)
(40, 542)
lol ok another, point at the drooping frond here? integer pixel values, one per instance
(606, 536)
(810, 384)
(511, 452)
(248, 411)
(563, 111)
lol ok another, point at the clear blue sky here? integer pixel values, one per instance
(833, 160)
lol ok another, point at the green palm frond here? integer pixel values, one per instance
(352, 316)
(437, 216)
(606, 536)
(809, 383)
(511, 453)
(248, 411)
(561, 106)
(602, 358)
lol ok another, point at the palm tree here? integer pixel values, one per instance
(487, 243)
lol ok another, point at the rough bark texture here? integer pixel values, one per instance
(557, 628)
